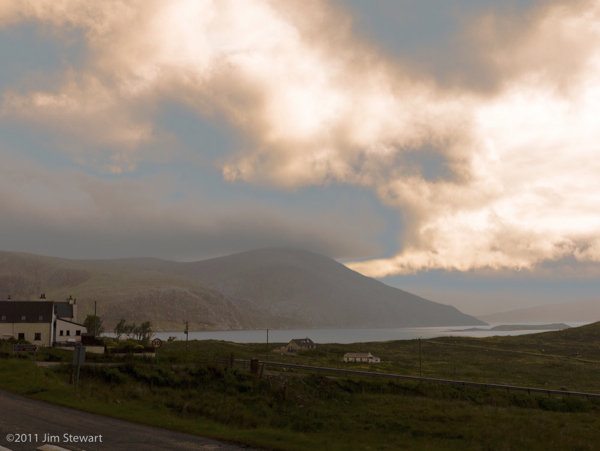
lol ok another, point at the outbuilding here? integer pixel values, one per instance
(300, 344)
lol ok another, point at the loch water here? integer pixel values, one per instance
(344, 335)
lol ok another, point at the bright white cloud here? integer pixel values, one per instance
(519, 184)
(533, 189)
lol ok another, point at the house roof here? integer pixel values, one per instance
(31, 310)
(70, 322)
(303, 342)
(358, 354)
(63, 309)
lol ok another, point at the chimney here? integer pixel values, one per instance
(43, 296)
(74, 308)
(9, 298)
(71, 302)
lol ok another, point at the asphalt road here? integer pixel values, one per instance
(24, 418)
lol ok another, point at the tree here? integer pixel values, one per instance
(94, 323)
(141, 333)
(120, 329)
(144, 332)
(129, 330)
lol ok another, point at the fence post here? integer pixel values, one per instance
(420, 361)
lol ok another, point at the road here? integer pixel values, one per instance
(20, 416)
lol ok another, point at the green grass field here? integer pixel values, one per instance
(295, 411)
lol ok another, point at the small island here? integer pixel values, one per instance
(516, 327)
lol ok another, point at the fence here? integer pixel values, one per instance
(429, 379)
(253, 365)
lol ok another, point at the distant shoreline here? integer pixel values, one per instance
(346, 336)
(516, 327)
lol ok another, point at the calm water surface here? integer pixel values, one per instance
(342, 335)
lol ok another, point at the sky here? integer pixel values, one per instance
(446, 147)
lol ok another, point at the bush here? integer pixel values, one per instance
(113, 376)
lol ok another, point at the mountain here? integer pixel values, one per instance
(318, 290)
(134, 289)
(275, 288)
(566, 312)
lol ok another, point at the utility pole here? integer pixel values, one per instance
(187, 335)
(95, 322)
(267, 355)
(420, 361)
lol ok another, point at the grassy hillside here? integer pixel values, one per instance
(296, 411)
(558, 360)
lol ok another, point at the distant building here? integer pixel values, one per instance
(300, 344)
(366, 357)
(41, 322)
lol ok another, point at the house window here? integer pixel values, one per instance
(68, 333)
(23, 318)
(78, 333)
(41, 318)
(38, 337)
(62, 333)
(22, 336)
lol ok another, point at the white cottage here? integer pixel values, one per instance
(41, 322)
(365, 357)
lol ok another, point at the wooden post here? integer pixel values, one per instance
(78, 370)
(187, 334)
(420, 360)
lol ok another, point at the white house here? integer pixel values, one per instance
(41, 322)
(361, 357)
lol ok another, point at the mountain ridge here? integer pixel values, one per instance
(570, 312)
(264, 288)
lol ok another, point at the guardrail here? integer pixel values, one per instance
(429, 379)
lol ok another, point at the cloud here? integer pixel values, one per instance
(494, 43)
(279, 75)
(68, 213)
(532, 192)
(514, 179)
